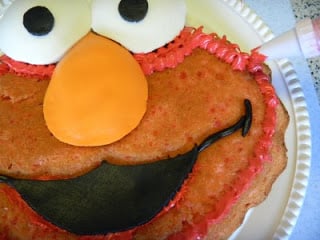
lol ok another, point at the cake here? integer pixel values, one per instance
(206, 135)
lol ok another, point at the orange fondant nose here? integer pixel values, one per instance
(97, 94)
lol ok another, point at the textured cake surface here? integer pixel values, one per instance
(200, 96)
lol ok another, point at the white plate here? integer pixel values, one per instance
(277, 215)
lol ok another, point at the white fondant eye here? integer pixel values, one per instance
(41, 31)
(139, 25)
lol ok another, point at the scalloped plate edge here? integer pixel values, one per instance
(303, 159)
(301, 115)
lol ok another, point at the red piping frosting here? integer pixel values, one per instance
(24, 69)
(169, 57)
(190, 38)
(3, 68)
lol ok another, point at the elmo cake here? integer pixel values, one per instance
(118, 121)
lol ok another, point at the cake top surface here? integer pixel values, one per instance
(159, 76)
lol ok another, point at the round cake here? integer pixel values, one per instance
(118, 131)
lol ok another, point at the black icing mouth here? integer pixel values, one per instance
(116, 198)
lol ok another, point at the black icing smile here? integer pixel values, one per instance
(115, 198)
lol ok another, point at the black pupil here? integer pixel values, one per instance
(133, 10)
(38, 21)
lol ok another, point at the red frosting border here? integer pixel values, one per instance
(169, 57)
(8, 65)
(190, 38)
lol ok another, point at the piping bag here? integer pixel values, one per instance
(301, 41)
